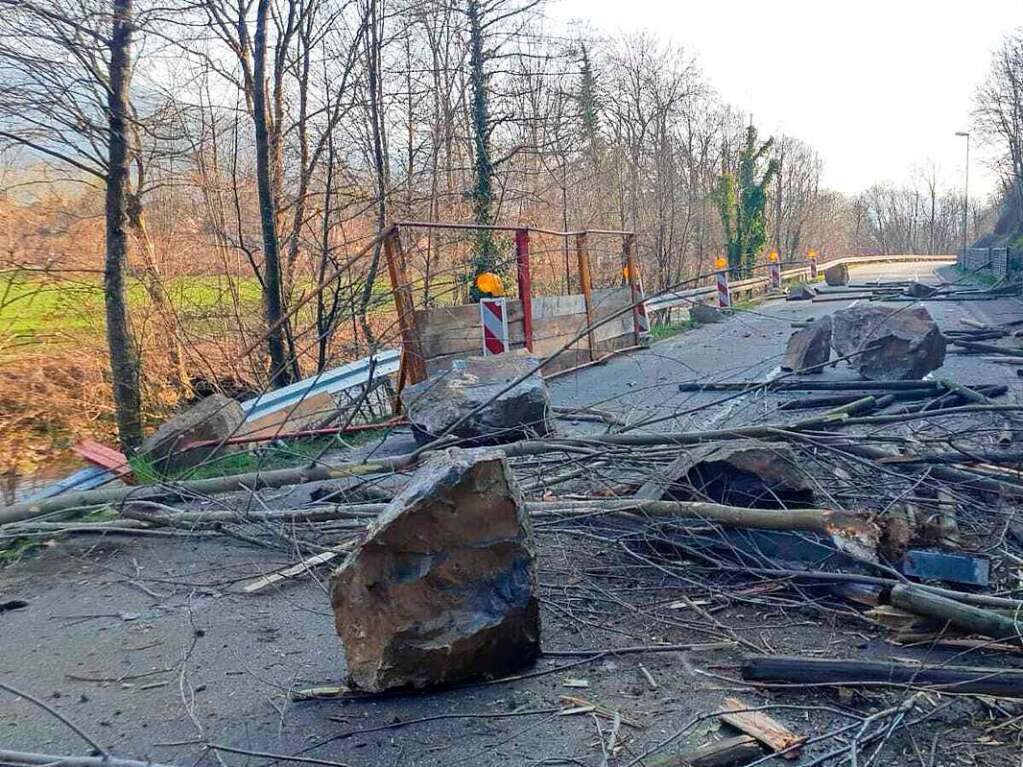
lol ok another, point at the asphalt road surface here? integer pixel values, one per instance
(749, 347)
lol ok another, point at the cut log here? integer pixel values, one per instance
(975, 620)
(759, 725)
(852, 673)
(730, 752)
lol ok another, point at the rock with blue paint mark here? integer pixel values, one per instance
(443, 587)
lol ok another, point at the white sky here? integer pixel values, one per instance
(877, 87)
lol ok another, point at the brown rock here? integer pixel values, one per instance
(896, 344)
(741, 472)
(837, 275)
(443, 588)
(214, 417)
(809, 347)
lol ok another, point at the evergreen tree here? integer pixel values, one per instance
(589, 105)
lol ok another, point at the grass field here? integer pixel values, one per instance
(44, 309)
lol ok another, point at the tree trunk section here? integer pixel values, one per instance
(124, 366)
(280, 370)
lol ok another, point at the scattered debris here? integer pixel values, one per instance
(481, 400)
(443, 588)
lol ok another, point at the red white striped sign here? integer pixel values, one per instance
(813, 267)
(724, 297)
(774, 271)
(495, 326)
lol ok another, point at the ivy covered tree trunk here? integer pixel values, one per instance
(742, 199)
(485, 258)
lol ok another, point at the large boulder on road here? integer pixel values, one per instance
(215, 417)
(705, 314)
(920, 290)
(741, 472)
(893, 344)
(800, 292)
(837, 275)
(809, 347)
(443, 587)
(476, 385)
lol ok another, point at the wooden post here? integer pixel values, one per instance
(525, 284)
(412, 354)
(584, 282)
(639, 319)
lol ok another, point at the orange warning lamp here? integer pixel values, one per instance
(772, 256)
(720, 263)
(490, 283)
(812, 255)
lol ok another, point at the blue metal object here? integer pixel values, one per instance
(943, 566)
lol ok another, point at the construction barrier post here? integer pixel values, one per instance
(774, 269)
(494, 318)
(412, 354)
(812, 256)
(584, 281)
(724, 296)
(525, 284)
(640, 321)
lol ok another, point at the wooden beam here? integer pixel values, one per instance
(851, 673)
(414, 361)
(583, 256)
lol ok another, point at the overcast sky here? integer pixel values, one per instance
(877, 87)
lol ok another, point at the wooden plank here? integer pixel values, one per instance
(104, 457)
(583, 256)
(759, 725)
(439, 341)
(264, 582)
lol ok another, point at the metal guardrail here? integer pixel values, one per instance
(684, 297)
(332, 381)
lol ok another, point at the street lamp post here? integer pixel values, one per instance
(966, 187)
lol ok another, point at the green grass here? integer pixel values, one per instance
(668, 330)
(276, 455)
